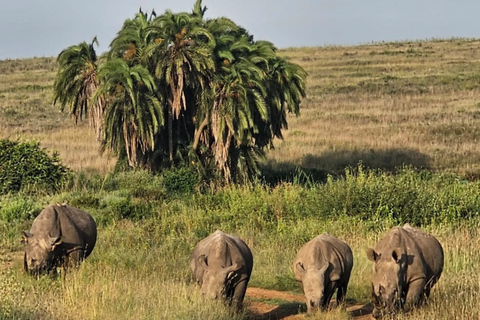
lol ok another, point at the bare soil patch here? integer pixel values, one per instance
(279, 305)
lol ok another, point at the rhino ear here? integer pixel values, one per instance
(300, 267)
(397, 255)
(202, 261)
(334, 276)
(232, 272)
(26, 235)
(324, 268)
(372, 255)
(234, 267)
(53, 242)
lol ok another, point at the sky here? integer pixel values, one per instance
(43, 28)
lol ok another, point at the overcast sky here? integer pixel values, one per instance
(42, 28)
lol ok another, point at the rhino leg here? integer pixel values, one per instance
(415, 294)
(341, 292)
(328, 294)
(73, 259)
(239, 293)
(326, 300)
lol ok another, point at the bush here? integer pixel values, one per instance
(138, 183)
(25, 165)
(120, 205)
(18, 209)
(181, 180)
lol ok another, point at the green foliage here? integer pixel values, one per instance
(121, 205)
(138, 183)
(18, 208)
(224, 96)
(26, 165)
(409, 196)
(182, 180)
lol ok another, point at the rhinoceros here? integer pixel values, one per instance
(322, 266)
(222, 264)
(60, 236)
(407, 263)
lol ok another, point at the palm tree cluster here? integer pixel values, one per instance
(179, 89)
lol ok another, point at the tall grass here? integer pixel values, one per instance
(140, 266)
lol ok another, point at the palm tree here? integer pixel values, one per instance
(181, 53)
(132, 39)
(133, 112)
(77, 81)
(225, 96)
(252, 91)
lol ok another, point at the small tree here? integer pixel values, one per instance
(76, 82)
(26, 164)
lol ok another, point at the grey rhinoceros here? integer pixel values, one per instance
(407, 263)
(222, 265)
(60, 235)
(322, 266)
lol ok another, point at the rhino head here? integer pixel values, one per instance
(39, 254)
(388, 281)
(314, 281)
(218, 282)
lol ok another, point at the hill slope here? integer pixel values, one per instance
(414, 103)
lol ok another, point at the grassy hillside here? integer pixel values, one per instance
(383, 104)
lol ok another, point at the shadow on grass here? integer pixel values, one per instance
(290, 309)
(316, 168)
(282, 311)
(9, 314)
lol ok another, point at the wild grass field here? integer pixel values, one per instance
(408, 112)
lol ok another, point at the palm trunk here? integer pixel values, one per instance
(198, 133)
(170, 135)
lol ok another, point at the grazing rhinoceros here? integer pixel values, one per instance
(407, 263)
(222, 265)
(323, 265)
(60, 235)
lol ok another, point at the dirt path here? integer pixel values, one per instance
(287, 306)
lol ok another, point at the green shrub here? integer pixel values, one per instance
(138, 183)
(121, 205)
(418, 198)
(182, 180)
(18, 209)
(24, 165)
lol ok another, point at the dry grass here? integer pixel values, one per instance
(384, 104)
(387, 105)
(153, 286)
(27, 112)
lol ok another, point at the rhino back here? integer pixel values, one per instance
(431, 251)
(76, 227)
(222, 250)
(325, 247)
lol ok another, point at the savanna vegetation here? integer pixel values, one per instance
(387, 134)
